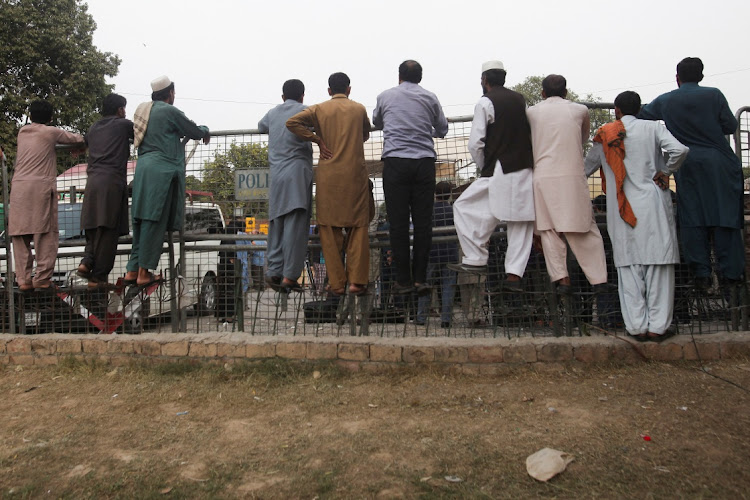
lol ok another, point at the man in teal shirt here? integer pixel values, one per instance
(159, 183)
(709, 184)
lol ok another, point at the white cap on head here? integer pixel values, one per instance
(160, 83)
(492, 65)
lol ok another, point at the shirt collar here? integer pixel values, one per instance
(628, 118)
(339, 96)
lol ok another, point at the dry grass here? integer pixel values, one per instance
(274, 430)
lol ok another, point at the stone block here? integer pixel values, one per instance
(734, 350)
(147, 347)
(259, 351)
(470, 369)
(597, 353)
(121, 346)
(663, 352)
(414, 354)
(45, 360)
(445, 354)
(122, 360)
(69, 346)
(495, 369)
(386, 353)
(708, 351)
(291, 350)
(485, 354)
(2, 346)
(202, 350)
(555, 351)
(18, 346)
(354, 352)
(4, 359)
(523, 353)
(626, 353)
(43, 347)
(230, 350)
(317, 350)
(94, 346)
(350, 366)
(179, 348)
(20, 359)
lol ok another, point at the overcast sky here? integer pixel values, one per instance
(228, 59)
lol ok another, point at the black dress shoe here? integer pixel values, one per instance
(399, 289)
(422, 289)
(564, 289)
(702, 282)
(512, 286)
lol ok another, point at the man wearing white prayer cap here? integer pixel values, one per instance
(159, 183)
(500, 144)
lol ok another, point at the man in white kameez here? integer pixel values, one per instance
(500, 144)
(640, 217)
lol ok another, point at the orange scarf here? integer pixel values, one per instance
(611, 136)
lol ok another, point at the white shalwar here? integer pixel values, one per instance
(490, 200)
(644, 255)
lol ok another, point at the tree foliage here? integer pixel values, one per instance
(47, 52)
(218, 176)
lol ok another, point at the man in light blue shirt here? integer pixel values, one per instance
(290, 193)
(410, 117)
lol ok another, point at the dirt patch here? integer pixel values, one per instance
(272, 430)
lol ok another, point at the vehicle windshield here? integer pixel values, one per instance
(69, 221)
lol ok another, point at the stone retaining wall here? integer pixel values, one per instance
(471, 356)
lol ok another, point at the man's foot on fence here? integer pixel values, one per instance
(290, 285)
(25, 287)
(422, 289)
(702, 283)
(601, 288)
(83, 271)
(513, 285)
(355, 289)
(274, 282)
(131, 277)
(335, 291)
(146, 277)
(655, 337)
(468, 268)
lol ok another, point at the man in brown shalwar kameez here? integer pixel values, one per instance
(341, 126)
(33, 197)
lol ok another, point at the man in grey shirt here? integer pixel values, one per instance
(410, 117)
(290, 194)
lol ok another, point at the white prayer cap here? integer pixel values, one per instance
(160, 83)
(492, 65)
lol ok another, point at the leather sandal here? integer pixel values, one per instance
(355, 289)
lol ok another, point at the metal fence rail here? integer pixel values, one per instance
(214, 276)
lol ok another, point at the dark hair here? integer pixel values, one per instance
(690, 70)
(629, 103)
(112, 103)
(410, 71)
(163, 94)
(338, 82)
(40, 111)
(495, 77)
(443, 190)
(293, 89)
(600, 203)
(554, 86)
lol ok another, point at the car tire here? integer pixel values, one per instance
(207, 300)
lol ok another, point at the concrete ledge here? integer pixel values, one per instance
(372, 354)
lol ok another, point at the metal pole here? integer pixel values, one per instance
(8, 256)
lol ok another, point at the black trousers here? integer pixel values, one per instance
(409, 188)
(100, 251)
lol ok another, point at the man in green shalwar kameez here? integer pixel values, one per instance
(159, 183)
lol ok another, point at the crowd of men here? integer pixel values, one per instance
(532, 178)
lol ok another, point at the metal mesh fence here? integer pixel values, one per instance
(214, 270)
